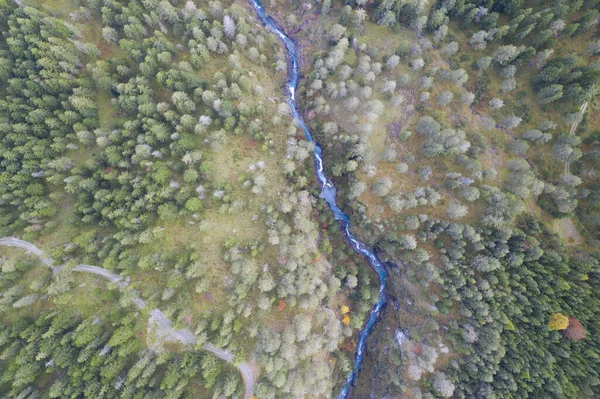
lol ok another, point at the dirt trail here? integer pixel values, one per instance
(27, 246)
(157, 317)
(565, 227)
(572, 131)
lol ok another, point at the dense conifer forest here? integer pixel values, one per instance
(162, 233)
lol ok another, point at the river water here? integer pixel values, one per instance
(328, 193)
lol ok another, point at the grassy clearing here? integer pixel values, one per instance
(59, 7)
(383, 39)
(106, 112)
(568, 231)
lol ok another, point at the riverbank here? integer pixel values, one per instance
(329, 194)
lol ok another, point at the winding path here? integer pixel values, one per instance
(565, 227)
(582, 110)
(157, 317)
(328, 193)
(28, 247)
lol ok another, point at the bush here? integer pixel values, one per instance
(194, 205)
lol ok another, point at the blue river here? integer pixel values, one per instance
(328, 193)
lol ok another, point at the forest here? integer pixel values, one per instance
(162, 232)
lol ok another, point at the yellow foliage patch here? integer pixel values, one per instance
(345, 309)
(346, 320)
(558, 321)
(510, 326)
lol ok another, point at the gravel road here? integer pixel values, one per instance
(184, 336)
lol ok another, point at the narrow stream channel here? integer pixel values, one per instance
(328, 193)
